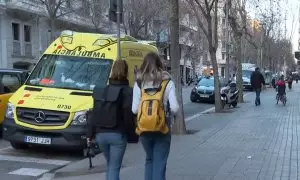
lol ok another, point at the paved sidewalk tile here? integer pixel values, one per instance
(251, 143)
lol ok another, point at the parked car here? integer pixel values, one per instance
(247, 79)
(204, 90)
(198, 79)
(10, 81)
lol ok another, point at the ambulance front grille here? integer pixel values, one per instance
(42, 117)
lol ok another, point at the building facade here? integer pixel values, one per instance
(25, 29)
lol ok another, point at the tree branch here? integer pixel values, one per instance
(205, 14)
(200, 23)
(57, 7)
(212, 4)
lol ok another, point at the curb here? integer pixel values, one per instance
(81, 172)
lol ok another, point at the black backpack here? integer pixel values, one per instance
(107, 106)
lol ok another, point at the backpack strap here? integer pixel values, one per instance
(139, 83)
(163, 86)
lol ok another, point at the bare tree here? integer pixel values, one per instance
(206, 12)
(269, 20)
(179, 126)
(96, 11)
(138, 15)
(238, 22)
(57, 9)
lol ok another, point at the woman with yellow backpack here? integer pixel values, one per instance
(154, 100)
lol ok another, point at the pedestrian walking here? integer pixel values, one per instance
(154, 100)
(112, 120)
(257, 80)
(273, 82)
(290, 81)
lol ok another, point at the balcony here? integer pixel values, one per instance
(32, 6)
(36, 7)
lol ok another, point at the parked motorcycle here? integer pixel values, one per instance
(229, 95)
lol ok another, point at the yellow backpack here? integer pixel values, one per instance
(152, 115)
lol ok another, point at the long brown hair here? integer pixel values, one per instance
(151, 69)
(119, 70)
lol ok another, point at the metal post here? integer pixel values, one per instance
(119, 30)
(227, 41)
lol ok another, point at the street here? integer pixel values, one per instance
(30, 164)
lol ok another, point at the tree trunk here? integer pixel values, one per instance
(184, 71)
(218, 104)
(194, 67)
(179, 125)
(52, 29)
(239, 76)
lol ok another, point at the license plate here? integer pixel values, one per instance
(37, 140)
(204, 96)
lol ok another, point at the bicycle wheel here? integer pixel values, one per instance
(284, 100)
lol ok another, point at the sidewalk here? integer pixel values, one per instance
(249, 143)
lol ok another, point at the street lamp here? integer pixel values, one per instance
(115, 14)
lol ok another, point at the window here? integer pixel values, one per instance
(206, 82)
(69, 72)
(223, 71)
(9, 83)
(223, 44)
(16, 31)
(223, 21)
(16, 51)
(27, 46)
(223, 55)
(27, 33)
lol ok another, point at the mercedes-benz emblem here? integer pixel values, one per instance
(39, 117)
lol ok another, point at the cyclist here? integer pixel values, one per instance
(280, 84)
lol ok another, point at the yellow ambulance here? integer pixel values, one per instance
(49, 109)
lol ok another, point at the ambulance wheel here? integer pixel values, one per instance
(17, 145)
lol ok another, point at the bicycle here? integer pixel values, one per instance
(282, 98)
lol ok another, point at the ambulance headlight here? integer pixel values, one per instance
(79, 118)
(10, 111)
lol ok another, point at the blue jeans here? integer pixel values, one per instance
(157, 148)
(113, 146)
(257, 99)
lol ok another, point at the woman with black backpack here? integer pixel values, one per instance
(111, 121)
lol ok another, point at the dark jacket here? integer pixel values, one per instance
(281, 87)
(257, 79)
(124, 125)
(1, 88)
